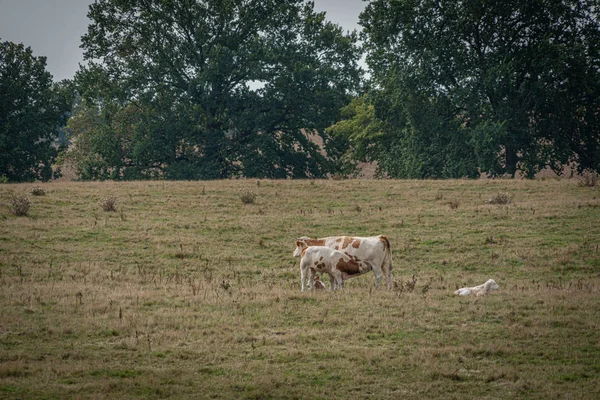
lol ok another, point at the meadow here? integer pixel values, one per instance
(190, 290)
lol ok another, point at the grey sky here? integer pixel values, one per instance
(53, 28)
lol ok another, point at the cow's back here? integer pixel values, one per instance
(372, 248)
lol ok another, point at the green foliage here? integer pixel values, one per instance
(210, 90)
(423, 140)
(361, 129)
(31, 111)
(505, 86)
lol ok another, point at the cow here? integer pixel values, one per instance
(375, 250)
(480, 290)
(339, 266)
(318, 284)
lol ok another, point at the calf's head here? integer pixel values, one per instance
(491, 285)
(300, 245)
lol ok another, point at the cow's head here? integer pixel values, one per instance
(491, 285)
(300, 245)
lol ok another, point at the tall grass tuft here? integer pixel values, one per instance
(500, 198)
(247, 197)
(37, 191)
(109, 203)
(588, 179)
(20, 204)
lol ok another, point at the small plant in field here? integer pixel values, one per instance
(588, 179)
(406, 286)
(37, 191)
(20, 204)
(109, 203)
(453, 204)
(225, 285)
(3, 179)
(500, 198)
(247, 196)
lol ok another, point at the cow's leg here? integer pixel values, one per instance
(378, 274)
(303, 271)
(339, 281)
(332, 284)
(387, 265)
(311, 279)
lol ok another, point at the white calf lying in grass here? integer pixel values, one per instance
(480, 290)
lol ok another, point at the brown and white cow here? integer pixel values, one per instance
(339, 266)
(375, 250)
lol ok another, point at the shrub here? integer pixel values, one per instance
(109, 203)
(453, 204)
(588, 179)
(37, 191)
(20, 204)
(500, 198)
(247, 196)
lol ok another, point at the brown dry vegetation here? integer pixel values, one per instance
(188, 292)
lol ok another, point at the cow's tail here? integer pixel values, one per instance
(387, 261)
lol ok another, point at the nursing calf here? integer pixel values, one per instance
(337, 265)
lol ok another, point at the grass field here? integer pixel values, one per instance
(187, 292)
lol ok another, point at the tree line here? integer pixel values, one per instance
(213, 89)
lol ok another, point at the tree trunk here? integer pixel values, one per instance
(510, 166)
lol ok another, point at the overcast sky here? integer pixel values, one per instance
(53, 28)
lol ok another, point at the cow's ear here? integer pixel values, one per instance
(298, 244)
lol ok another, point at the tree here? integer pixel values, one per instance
(408, 137)
(221, 88)
(516, 85)
(32, 109)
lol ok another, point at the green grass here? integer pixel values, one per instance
(188, 292)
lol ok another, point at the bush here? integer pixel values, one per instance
(109, 203)
(37, 191)
(500, 198)
(248, 197)
(453, 204)
(20, 204)
(588, 179)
